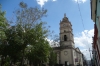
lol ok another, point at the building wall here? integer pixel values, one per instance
(66, 57)
(93, 8)
(98, 27)
(95, 11)
(65, 52)
(79, 57)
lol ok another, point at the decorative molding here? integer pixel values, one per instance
(66, 47)
(66, 32)
(62, 27)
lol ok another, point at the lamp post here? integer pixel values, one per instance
(90, 57)
(90, 53)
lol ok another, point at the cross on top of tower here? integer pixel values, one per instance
(65, 15)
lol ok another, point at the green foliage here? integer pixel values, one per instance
(38, 45)
(7, 62)
(28, 17)
(26, 39)
(14, 43)
(2, 24)
(2, 18)
(30, 20)
(52, 58)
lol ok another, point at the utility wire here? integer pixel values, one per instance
(80, 14)
(83, 25)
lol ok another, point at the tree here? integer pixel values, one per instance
(15, 43)
(3, 23)
(28, 17)
(29, 30)
(28, 34)
(35, 32)
(52, 58)
(39, 46)
(3, 26)
(55, 42)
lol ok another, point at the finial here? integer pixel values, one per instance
(65, 15)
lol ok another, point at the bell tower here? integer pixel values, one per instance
(66, 52)
(66, 33)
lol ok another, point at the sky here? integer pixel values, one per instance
(82, 30)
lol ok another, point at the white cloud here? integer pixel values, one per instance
(53, 43)
(84, 41)
(54, 0)
(42, 2)
(80, 1)
(86, 53)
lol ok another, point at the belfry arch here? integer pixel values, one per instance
(65, 38)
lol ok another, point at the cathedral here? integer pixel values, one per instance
(67, 54)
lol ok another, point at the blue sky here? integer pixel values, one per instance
(56, 10)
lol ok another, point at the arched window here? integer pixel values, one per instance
(65, 38)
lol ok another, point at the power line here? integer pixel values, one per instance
(83, 25)
(80, 14)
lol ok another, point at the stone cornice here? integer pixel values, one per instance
(65, 27)
(67, 32)
(65, 47)
(63, 22)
